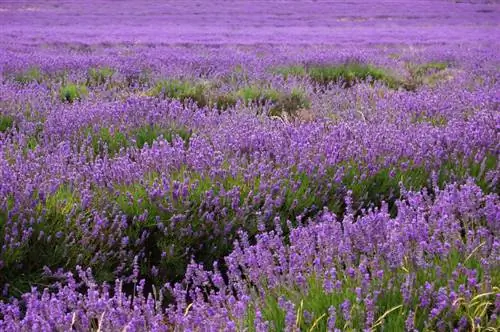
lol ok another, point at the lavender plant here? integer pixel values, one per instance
(249, 178)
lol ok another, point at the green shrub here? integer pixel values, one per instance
(290, 103)
(424, 74)
(71, 92)
(148, 134)
(99, 76)
(23, 265)
(281, 101)
(106, 141)
(6, 122)
(140, 78)
(181, 90)
(350, 74)
(31, 75)
(224, 101)
(428, 68)
(391, 312)
(286, 72)
(257, 94)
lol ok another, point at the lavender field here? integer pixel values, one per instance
(250, 165)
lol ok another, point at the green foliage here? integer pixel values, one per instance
(181, 90)
(424, 74)
(29, 76)
(428, 68)
(224, 101)
(255, 93)
(281, 102)
(72, 92)
(290, 103)
(99, 76)
(23, 266)
(6, 122)
(139, 79)
(107, 141)
(148, 134)
(349, 74)
(391, 312)
(206, 241)
(436, 120)
(385, 184)
(286, 72)
(111, 142)
(203, 96)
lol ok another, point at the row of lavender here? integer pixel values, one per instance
(134, 187)
(433, 266)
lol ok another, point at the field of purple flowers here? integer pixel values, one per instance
(249, 166)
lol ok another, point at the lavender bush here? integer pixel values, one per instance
(336, 174)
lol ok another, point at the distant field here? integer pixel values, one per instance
(249, 166)
(248, 22)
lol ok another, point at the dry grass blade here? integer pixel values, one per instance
(316, 322)
(187, 309)
(381, 318)
(474, 251)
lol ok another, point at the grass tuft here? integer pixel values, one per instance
(72, 92)
(348, 74)
(291, 71)
(29, 76)
(181, 90)
(99, 76)
(6, 122)
(424, 74)
(290, 103)
(111, 142)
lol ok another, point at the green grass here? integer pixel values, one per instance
(290, 103)
(192, 235)
(424, 74)
(224, 101)
(72, 92)
(111, 142)
(351, 73)
(291, 71)
(254, 93)
(23, 265)
(6, 122)
(348, 74)
(436, 120)
(107, 141)
(99, 76)
(148, 134)
(181, 90)
(250, 94)
(29, 76)
(391, 310)
(427, 68)
(281, 102)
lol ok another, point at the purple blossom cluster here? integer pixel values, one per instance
(227, 174)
